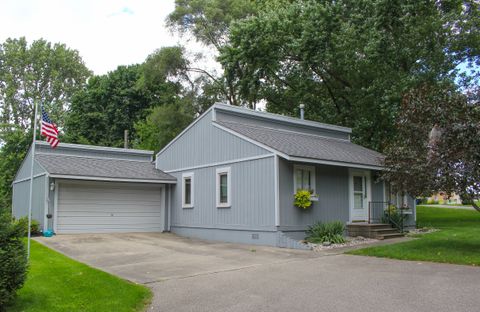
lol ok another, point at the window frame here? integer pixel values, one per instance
(311, 169)
(185, 176)
(219, 172)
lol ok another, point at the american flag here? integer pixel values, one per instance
(49, 130)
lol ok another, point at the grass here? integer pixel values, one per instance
(457, 241)
(58, 283)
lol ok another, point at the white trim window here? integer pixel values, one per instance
(187, 190)
(224, 187)
(304, 178)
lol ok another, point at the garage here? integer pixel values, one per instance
(105, 207)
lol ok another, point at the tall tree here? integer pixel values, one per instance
(14, 148)
(437, 144)
(112, 103)
(208, 21)
(349, 61)
(43, 72)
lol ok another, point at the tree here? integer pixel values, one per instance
(14, 148)
(112, 103)
(349, 61)
(162, 125)
(437, 144)
(40, 72)
(208, 21)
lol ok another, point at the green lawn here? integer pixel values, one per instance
(458, 240)
(58, 283)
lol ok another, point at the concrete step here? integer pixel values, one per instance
(393, 235)
(385, 231)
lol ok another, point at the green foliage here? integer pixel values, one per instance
(108, 105)
(58, 283)
(162, 125)
(458, 240)
(349, 62)
(302, 199)
(437, 143)
(22, 223)
(393, 216)
(40, 71)
(326, 232)
(15, 146)
(13, 259)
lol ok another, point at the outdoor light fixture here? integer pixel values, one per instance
(52, 186)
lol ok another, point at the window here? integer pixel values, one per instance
(223, 188)
(304, 178)
(187, 190)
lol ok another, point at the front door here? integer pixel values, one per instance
(359, 195)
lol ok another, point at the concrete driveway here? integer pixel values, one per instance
(193, 275)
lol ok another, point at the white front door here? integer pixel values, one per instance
(360, 190)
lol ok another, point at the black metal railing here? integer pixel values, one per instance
(385, 212)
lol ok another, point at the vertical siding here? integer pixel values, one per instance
(332, 189)
(24, 171)
(258, 121)
(90, 152)
(252, 202)
(20, 199)
(205, 144)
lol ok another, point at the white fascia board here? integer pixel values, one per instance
(185, 130)
(333, 163)
(89, 178)
(268, 148)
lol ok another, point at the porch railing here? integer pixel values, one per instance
(380, 212)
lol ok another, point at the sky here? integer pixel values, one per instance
(107, 33)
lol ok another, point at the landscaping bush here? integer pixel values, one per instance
(13, 259)
(326, 232)
(23, 224)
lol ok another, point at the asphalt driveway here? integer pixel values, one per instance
(193, 275)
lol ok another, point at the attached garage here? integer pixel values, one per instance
(93, 189)
(103, 207)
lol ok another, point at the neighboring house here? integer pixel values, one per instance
(444, 198)
(231, 176)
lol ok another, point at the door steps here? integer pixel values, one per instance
(377, 231)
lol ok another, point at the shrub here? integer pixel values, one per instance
(326, 232)
(302, 199)
(34, 226)
(394, 217)
(13, 259)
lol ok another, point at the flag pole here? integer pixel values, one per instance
(31, 181)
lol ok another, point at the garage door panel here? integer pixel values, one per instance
(98, 207)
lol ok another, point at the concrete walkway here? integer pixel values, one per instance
(193, 275)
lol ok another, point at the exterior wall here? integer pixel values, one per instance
(24, 171)
(20, 199)
(252, 208)
(205, 144)
(332, 189)
(258, 121)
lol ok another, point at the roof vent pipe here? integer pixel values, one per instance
(302, 111)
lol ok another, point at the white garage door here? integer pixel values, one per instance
(102, 207)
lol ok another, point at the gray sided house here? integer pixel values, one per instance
(230, 176)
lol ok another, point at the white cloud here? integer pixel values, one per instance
(107, 33)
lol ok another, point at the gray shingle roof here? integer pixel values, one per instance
(101, 167)
(297, 144)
